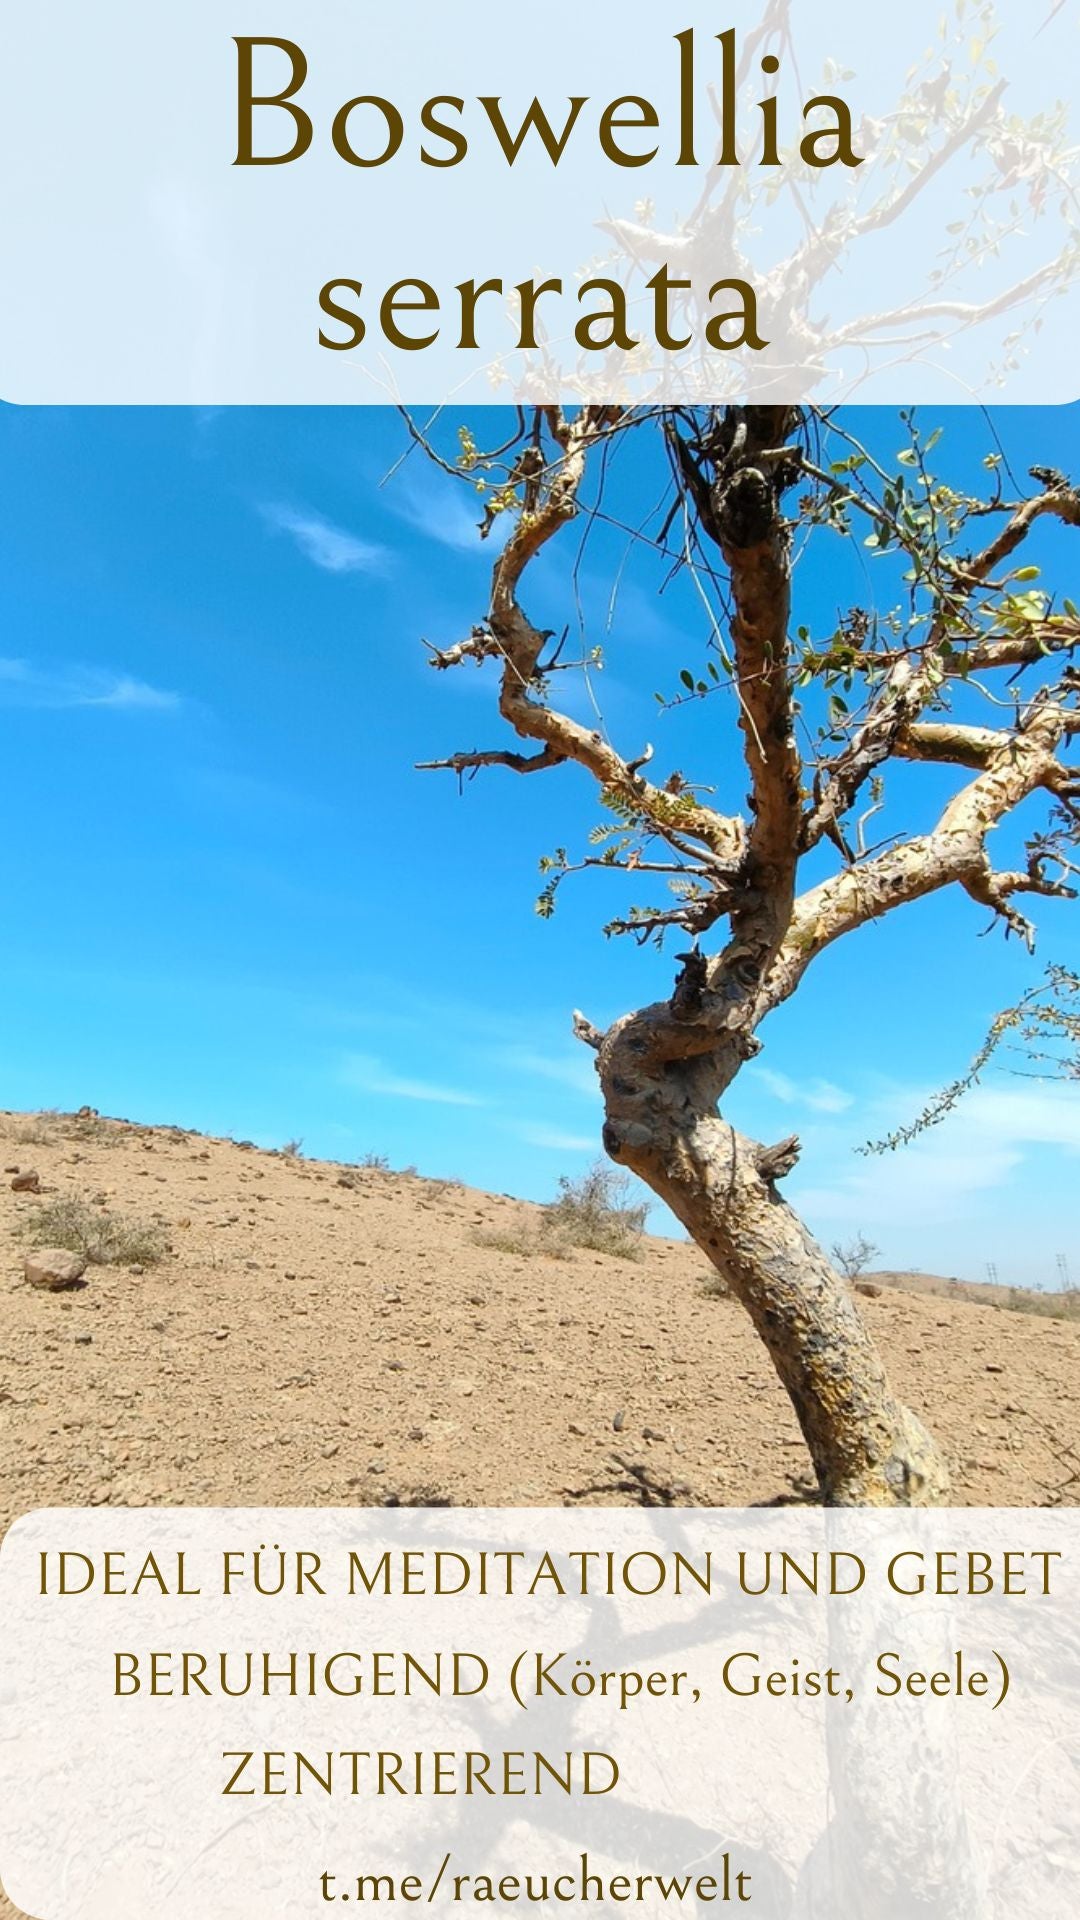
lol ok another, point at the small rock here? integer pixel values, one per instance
(578, 1432)
(52, 1268)
(26, 1183)
(619, 1422)
(84, 1339)
(992, 1367)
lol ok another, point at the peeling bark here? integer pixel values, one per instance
(665, 1068)
(663, 1123)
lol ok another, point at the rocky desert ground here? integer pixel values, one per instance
(274, 1329)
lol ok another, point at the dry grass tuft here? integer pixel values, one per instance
(31, 1133)
(105, 1239)
(596, 1211)
(1047, 1306)
(526, 1242)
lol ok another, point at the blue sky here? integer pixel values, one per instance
(232, 903)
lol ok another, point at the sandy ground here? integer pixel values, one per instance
(308, 1341)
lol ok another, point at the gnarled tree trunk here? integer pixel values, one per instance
(663, 1123)
(665, 1068)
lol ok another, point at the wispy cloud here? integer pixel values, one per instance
(980, 1150)
(369, 1075)
(553, 1140)
(1045, 1116)
(821, 1096)
(327, 546)
(23, 684)
(574, 1070)
(252, 795)
(444, 510)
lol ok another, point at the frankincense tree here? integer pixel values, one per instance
(968, 669)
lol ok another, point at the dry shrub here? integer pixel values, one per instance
(597, 1211)
(30, 1133)
(1049, 1306)
(105, 1239)
(527, 1242)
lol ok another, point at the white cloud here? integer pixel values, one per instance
(553, 1140)
(970, 1166)
(821, 1096)
(1036, 1115)
(932, 1188)
(444, 510)
(331, 548)
(134, 695)
(24, 685)
(574, 1070)
(368, 1075)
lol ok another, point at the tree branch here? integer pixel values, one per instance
(461, 763)
(950, 743)
(737, 475)
(954, 852)
(510, 637)
(914, 676)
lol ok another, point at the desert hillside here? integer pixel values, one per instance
(272, 1329)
